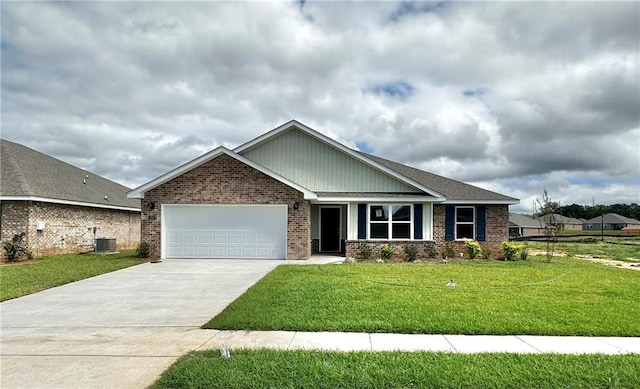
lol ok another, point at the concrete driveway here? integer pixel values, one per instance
(118, 330)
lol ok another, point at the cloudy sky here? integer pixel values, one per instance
(514, 97)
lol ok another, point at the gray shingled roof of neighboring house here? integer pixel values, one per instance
(612, 218)
(557, 218)
(453, 190)
(524, 221)
(28, 173)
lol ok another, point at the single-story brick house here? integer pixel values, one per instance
(609, 221)
(567, 223)
(293, 192)
(61, 208)
(522, 225)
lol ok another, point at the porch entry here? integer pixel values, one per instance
(330, 223)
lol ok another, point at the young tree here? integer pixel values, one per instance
(553, 227)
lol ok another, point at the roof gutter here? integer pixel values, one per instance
(67, 202)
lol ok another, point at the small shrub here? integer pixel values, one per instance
(411, 252)
(448, 252)
(514, 251)
(386, 252)
(143, 250)
(473, 248)
(365, 251)
(15, 248)
(509, 250)
(430, 250)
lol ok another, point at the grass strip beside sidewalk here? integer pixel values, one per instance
(313, 369)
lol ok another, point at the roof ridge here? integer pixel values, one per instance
(39, 175)
(57, 160)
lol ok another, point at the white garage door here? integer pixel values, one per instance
(225, 231)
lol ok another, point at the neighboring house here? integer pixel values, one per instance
(609, 221)
(567, 223)
(59, 207)
(521, 225)
(294, 192)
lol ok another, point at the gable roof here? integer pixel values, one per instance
(454, 191)
(612, 218)
(30, 175)
(141, 190)
(433, 187)
(520, 220)
(294, 124)
(557, 218)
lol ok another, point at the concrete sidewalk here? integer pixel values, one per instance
(350, 341)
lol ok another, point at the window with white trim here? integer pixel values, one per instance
(465, 223)
(390, 221)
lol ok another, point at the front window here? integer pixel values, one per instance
(465, 223)
(390, 221)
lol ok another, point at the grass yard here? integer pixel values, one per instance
(621, 250)
(591, 232)
(310, 369)
(565, 297)
(21, 279)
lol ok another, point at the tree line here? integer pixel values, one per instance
(590, 211)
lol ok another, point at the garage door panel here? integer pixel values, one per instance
(189, 251)
(218, 251)
(216, 231)
(234, 252)
(234, 237)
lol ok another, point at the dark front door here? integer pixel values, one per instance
(329, 230)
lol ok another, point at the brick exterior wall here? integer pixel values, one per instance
(68, 228)
(225, 180)
(497, 231)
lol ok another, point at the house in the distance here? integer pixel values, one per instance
(609, 221)
(293, 192)
(61, 208)
(565, 222)
(522, 225)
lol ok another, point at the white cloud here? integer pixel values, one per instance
(482, 92)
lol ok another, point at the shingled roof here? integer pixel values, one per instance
(612, 218)
(26, 174)
(453, 190)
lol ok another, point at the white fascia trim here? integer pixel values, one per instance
(378, 200)
(139, 192)
(482, 202)
(66, 202)
(339, 146)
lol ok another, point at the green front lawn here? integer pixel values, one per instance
(25, 278)
(310, 369)
(591, 232)
(622, 250)
(565, 297)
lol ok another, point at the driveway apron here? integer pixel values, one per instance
(121, 329)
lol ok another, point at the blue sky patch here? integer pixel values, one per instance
(414, 7)
(398, 89)
(592, 181)
(364, 147)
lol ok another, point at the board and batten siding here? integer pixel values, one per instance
(319, 167)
